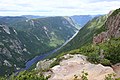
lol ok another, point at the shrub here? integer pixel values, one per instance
(84, 76)
(105, 62)
(110, 77)
(28, 75)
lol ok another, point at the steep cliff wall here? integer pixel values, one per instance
(112, 26)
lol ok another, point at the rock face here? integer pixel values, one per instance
(100, 38)
(113, 29)
(75, 65)
(116, 68)
(45, 64)
(9, 42)
(11, 50)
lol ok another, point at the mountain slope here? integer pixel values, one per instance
(13, 53)
(105, 49)
(85, 35)
(45, 33)
(106, 26)
(23, 39)
(102, 46)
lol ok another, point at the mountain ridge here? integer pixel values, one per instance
(24, 39)
(102, 49)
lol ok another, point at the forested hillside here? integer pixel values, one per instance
(22, 39)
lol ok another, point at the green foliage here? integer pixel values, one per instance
(3, 78)
(105, 62)
(106, 53)
(94, 57)
(117, 79)
(85, 34)
(115, 12)
(56, 62)
(110, 77)
(111, 52)
(25, 75)
(32, 37)
(84, 75)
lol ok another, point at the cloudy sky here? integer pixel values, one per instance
(56, 7)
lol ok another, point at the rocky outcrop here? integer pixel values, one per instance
(45, 64)
(72, 67)
(116, 68)
(100, 38)
(10, 43)
(113, 29)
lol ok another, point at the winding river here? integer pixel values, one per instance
(43, 56)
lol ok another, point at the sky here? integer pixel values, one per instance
(57, 7)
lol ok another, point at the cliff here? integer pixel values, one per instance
(112, 26)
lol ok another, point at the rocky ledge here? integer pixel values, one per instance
(73, 66)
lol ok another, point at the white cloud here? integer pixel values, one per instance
(57, 7)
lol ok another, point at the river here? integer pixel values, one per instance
(43, 56)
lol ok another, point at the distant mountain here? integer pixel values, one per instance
(81, 20)
(8, 20)
(33, 16)
(22, 39)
